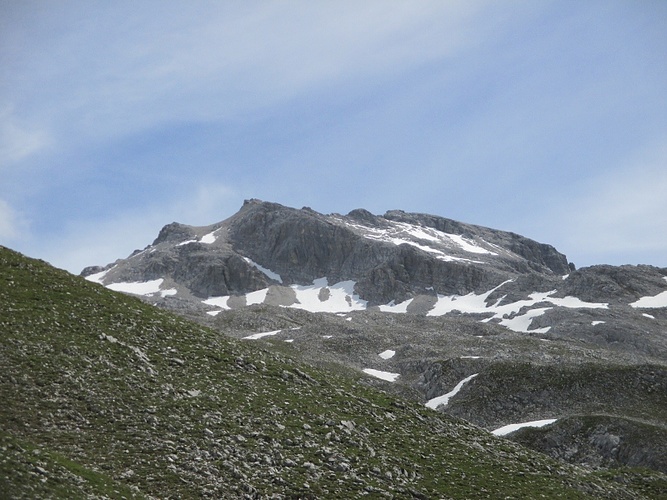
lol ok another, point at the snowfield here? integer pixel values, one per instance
(341, 298)
(508, 429)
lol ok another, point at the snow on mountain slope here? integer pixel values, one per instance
(652, 301)
(397, 263)
(444, 246)
(508, 429)
(340, 298)
(444, 399)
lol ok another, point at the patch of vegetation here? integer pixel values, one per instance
(510, 391)
(105, 396)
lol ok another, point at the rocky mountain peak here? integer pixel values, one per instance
(430, 306)
(174, 232)
(414, 263)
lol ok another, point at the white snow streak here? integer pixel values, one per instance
(98, 277)
(187, 242)
(388, 354)
(256, 336)
(421, 237)
(444, 399)
(508, 429)
(389, 377)
(273, 275)
(142, 288)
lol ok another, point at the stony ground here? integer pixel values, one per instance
(107, 397)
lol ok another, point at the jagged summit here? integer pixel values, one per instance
(432, 307)
(398, 262)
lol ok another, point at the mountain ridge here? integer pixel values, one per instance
(449, 300)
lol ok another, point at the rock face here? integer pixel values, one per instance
(450, 300)
(399, 262)
(601, 441)
(390, 258)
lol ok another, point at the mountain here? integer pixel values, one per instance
(481, 324)
(105, 396)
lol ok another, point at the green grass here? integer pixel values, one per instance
(121, 399)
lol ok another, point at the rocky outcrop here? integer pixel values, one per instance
(390, 258)
(600, 441)
(537, 255)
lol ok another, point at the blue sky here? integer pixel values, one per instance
(548, 119)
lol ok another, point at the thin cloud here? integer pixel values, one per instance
(12, 226)
(18, 142)
(620, 216)
(130, 67)
(480, 111)
(87, 242)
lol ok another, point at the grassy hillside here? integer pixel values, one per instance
(104, 396)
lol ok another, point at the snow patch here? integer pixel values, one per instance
(220, 302)
(186, 242)
(522, 322)
(145, 288)
(648, 316)
(208, 238)
(653, 302)
(256, 297)
(508, 429)
(341, 297)
(507, 314)
(444, 399)
(399, 308)
(388, 354)
(270, 274)
(595, 323)
(256, 336)
(98, 277)
(388, 376)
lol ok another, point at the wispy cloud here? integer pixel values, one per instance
(99, 241)
(12, 225)
(618, 217)
(111, 112)
(136, 66)
(18, 141)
